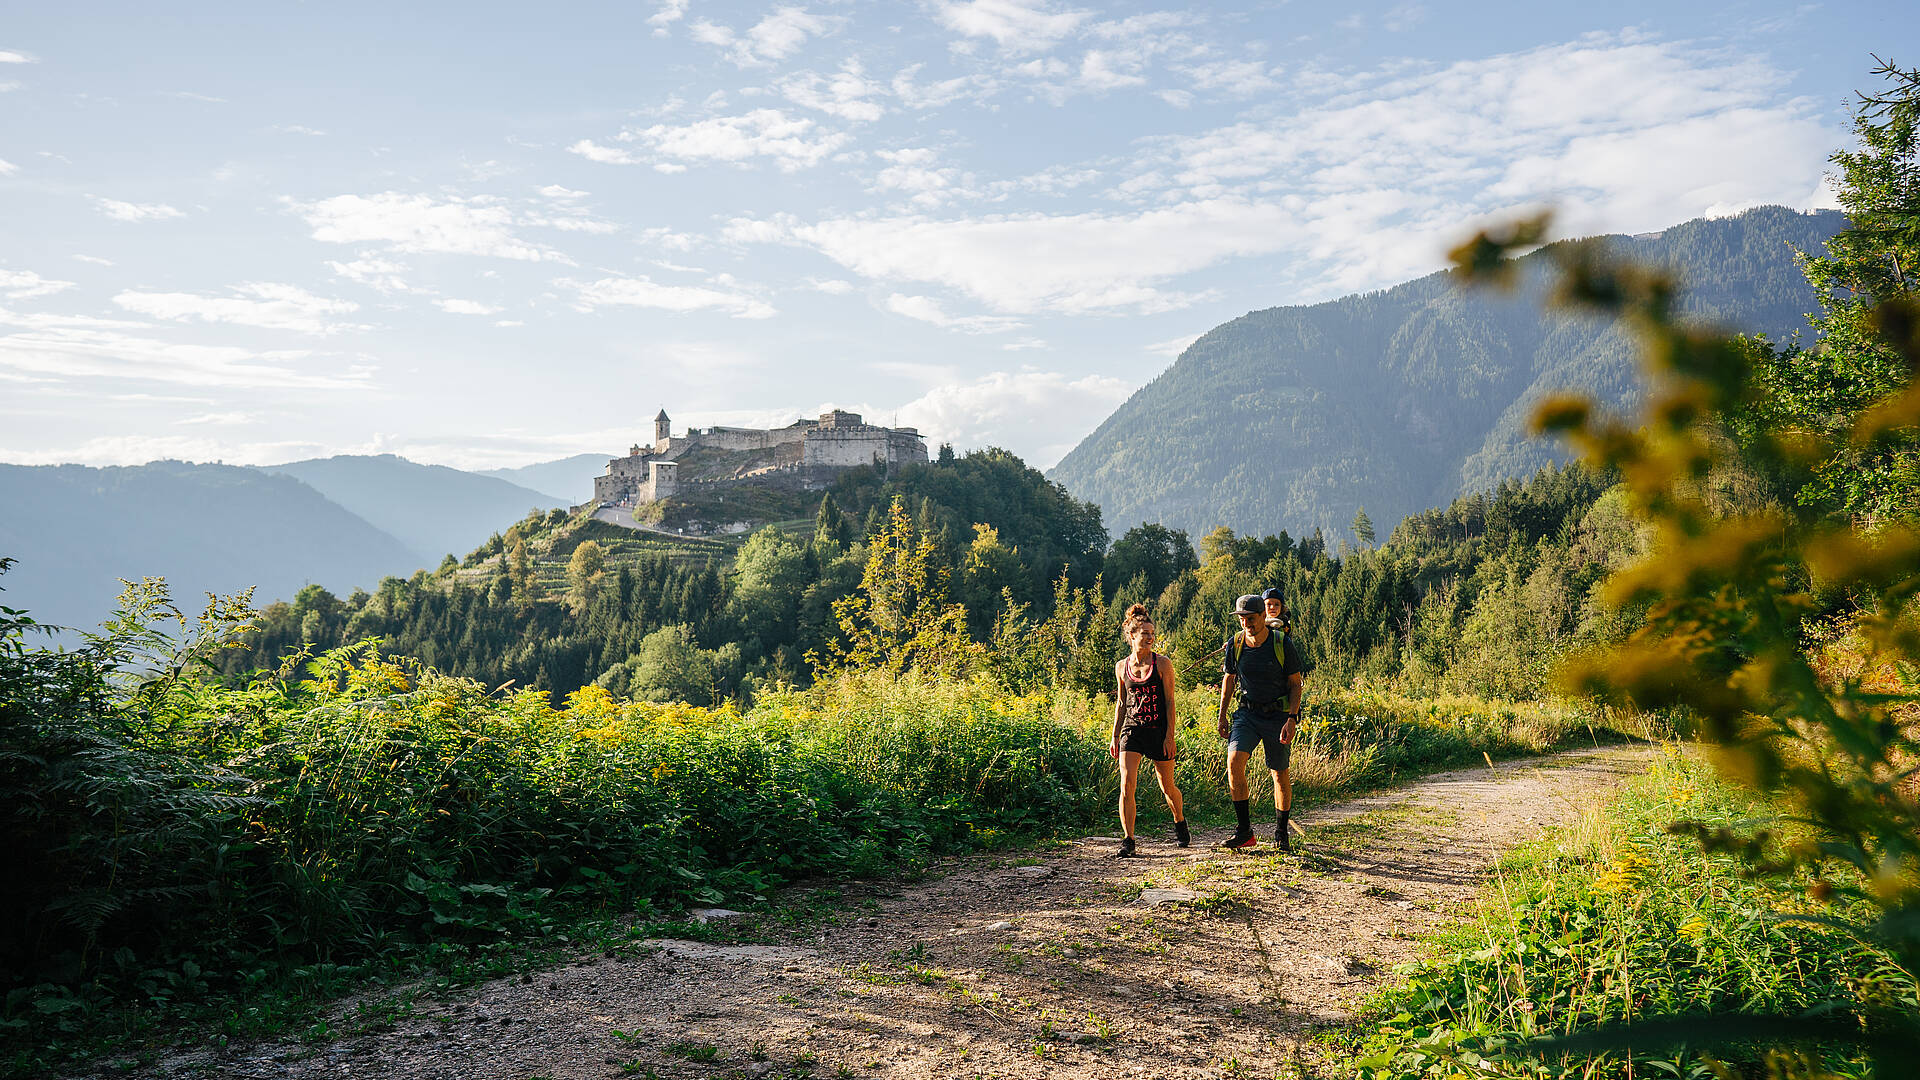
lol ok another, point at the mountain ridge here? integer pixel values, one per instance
(1398, 400)
(436, 510)
(78, 529)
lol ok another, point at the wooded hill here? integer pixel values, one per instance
(1297, 417)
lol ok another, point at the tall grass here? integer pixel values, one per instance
(377, 814)
(1616, 920)
(1355, 740)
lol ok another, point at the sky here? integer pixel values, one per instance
(486, 235)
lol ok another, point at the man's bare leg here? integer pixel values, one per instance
(1282, 802)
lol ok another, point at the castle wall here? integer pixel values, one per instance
(722, 438)
(905, 444)
(846, 447)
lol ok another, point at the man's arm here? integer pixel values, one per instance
(1296, 687)
(1226, 696)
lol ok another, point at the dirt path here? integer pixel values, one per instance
(1063, 962)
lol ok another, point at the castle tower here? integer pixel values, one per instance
(662, 429)
(661, 479)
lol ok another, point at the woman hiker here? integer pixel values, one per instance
(1143, 724)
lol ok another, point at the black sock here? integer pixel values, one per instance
(1281, 821)
(1240, 811)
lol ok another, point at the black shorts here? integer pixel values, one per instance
(1148, 742)
(1250, 731)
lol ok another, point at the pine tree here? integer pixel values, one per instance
(520, 569)
(830, 528)
(1363, 527)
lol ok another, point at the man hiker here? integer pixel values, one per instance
(1264, 665)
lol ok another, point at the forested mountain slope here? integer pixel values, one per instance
(432, 509)
(1395, 401)
(206, 528)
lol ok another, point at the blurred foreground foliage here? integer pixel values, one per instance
(1731, 585)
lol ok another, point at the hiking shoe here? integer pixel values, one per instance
(1241, 841)
(1181, 835)
(1126, 849)
(1282, 841)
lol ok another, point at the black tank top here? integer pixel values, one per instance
(1146, 698)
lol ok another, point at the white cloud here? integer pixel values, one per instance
(466, 307)
(1404, 17)
(1015, 26)
(375, 273)
(670, 239)
(8, 56)
(262, 304)
(605, 155)
(928, 310)
(1102, 70)
(126, 211)
(1038, 414)
(555, 191)
(846, 94)
(1024, 263)
(8, 168)
(140, 449)
(1371, 185)
(933, 95)
(221, 419)
(644, 292)
(80, 348)
(421, 224)
(510, 322)
(830, 286)
(25, 285)
(1234, 78)
(188, 95)
(790, 142)
(1172, 347)
(668, 13)
(909, 170)
(94, 259)
(778, 35)
(295, 129)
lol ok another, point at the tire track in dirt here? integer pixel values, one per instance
(1056, 962)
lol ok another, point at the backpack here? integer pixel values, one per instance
(1274, 635)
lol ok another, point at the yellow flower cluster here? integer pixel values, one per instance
(1626, 873)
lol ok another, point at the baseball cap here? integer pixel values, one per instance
(1272, 594)
(1249, 605)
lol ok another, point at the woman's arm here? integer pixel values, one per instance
(1166, 680)
(1119, 709)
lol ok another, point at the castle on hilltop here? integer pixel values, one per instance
(808, 451)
